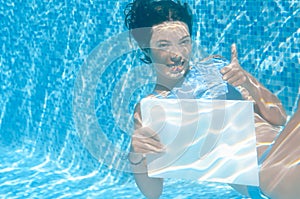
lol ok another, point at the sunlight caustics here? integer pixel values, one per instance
(220, 132)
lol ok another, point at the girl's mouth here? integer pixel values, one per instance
(176, 68)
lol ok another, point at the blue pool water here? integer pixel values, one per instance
(43, 48)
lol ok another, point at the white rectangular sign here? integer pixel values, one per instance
(206, 140)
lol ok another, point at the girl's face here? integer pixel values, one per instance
(170, 49)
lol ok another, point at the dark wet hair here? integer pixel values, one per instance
(142, 15)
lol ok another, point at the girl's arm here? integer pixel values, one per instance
(267, 105)
(144, 140)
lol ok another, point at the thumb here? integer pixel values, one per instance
(234, 56)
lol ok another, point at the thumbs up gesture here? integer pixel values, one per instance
(233, 73)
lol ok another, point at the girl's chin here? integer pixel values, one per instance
(175, 75)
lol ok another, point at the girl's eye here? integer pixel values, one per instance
(185, 42)
(163, 45)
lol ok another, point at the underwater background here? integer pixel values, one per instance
(44, 45)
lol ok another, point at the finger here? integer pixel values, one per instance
(236, 81)
(226, 69)
(228, 72)
(143, 149)
(143, 142)
(153, 143)
(146, 132)
(232, 75)
(151, 134)
(147, 147)
(234, 56)
(232, 80)
(154, 147)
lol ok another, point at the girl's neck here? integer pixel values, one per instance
(163, 84)
(167, 86)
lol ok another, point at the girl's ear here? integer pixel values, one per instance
(147, 55)
(146, 51)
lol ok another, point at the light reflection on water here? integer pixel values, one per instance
(44, 44)
(39, 176)
(202, 149)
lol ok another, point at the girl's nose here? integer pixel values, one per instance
(176, 58)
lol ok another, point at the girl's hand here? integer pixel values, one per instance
(267, 105)
(233, 73)
(145, 140)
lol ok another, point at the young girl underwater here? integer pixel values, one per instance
(163, 31)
